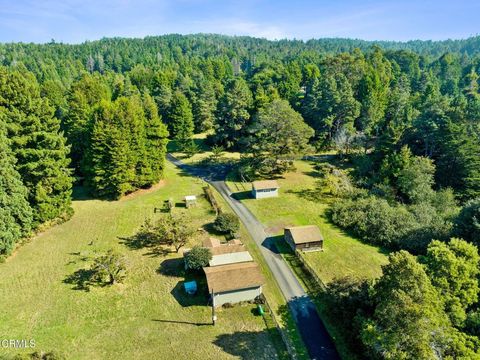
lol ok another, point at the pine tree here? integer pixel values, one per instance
(156, 140)
(84, 95)
(180, 118)
(233, 113)
(15, 212)
(117, 160)
(37, 144)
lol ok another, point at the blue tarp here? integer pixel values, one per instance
(190, 287)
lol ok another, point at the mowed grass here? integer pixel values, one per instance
(146, 317)
(343, 255)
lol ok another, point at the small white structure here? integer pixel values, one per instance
(230, 253)
(190, 200)
(264, 189)
(233, 283)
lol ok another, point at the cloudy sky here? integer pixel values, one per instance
(75, 21)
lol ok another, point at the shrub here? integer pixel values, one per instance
(109, 268)
(197, 258)
(227, 223)
(467, 224)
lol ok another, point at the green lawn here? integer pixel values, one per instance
(342, 255)
(146, 317)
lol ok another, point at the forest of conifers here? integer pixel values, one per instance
(405, 115)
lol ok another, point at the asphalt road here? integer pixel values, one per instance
(316, 338)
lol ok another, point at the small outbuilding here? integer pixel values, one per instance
(190, 200)
(264, 189)
(230, 253)
(233, 283)
(306, 238)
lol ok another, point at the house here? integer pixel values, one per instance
(233, 283)
(306, 238)
(230, 253)
(264, 189)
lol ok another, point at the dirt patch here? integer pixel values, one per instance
(140, 192)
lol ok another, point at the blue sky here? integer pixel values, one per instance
(75, 21)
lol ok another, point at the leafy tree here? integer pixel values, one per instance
(109, 268)
(174, 230)
(415, 180)
(278, 134)
(198, 257)
(15, 212)
(467, 224)
(37, 144)
(233, 113)
(227, 223)
(408, 321)
(453, 270)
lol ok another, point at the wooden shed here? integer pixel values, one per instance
(264, 189)
(306, 238)
(234, 283)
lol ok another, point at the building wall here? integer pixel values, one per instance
(289, 240)
(314, 246)
(261, 194)
(237, 296)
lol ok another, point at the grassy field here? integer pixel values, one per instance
(146, 317)
(343, 255)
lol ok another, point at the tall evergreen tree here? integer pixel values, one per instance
(156, 140)
(84, 95)
(15, 212)
(233, 113)
(180, 118)
(37, 144)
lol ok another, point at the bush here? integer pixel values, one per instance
(227, 223)
(197, 258)
(467, 224)
(109, 268)
(374, 220)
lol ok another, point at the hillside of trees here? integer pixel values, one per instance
(404, 116)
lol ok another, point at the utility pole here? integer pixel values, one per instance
(214, 317)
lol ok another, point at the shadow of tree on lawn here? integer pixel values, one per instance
(247, 344)
(81, 279)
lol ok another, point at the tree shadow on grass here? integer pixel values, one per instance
(200, 298)
(142, 240)
(247, 344)
(172, 267)
(81, 279)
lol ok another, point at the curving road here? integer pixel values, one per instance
(316, 338)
